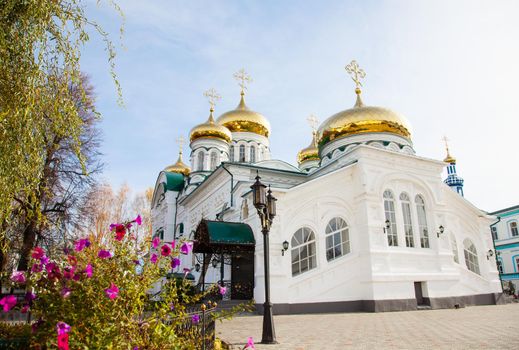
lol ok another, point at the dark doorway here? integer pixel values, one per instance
(418, 291)
(242, 276)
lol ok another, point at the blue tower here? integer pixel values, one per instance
(453, 180)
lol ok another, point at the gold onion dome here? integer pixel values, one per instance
(449, 159)
(309, 153)
(363, 119)
(179, 167)
(210, 129)
(242, 119)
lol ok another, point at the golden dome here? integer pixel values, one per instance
(309, 153)
(210, 129)
(242, 119)
(363, 119)
(179, 167)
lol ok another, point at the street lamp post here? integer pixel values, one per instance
(265, 203)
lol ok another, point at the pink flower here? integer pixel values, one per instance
(138, 220)
(165, 250)
(44, 260)
(175, 262)
(36, 268)
(112, 226)
(186, 247)
(250, 344)
(53, 271)
(223, 290)
(25, 309)
(8, 302)
(155, 243)
(18, 277)
(195, 318)
(38, 253)
(89, 270)
(65, 292)
(62, 328)
(153, 258)
(82, 244)
(112, 292)
(63, 342)
(104, 254)
(30, 296)
(68, 272)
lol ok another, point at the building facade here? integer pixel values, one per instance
(505, 232)
(370, 225)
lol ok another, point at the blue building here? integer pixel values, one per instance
(505, 232)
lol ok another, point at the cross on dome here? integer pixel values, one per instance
(313, 122)
(243, 79)
(356, 73)
(212, 96)
(180, 142)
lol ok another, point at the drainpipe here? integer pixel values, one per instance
(495, 250)
(232, 183)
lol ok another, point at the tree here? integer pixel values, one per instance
(40, 42)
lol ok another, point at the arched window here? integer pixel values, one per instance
(337, 239)
(303, 251)
(252, 154)
(231, 154)
(242, 153)
(408, 221)
(471, 256)
(454, 247)
(389, 209)
(214, 157)
(513, 228)
(422, 221)
(200, 165)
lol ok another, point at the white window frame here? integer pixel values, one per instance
(303, 252)
(408, 220)
(421, 214)
(390, 214)
(241, 155)
(213, 160)
(337, 238)
(471, 256)
(200, 161)
(513, 228)
(252, 154)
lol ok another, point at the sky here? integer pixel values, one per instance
(450, 67)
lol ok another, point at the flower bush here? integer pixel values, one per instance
(98, 296)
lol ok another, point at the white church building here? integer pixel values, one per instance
(368, 225)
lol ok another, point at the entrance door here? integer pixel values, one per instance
(242, 276)
(418, 293)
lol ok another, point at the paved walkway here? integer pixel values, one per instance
(476, 327)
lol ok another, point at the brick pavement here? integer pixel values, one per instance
(476, 327)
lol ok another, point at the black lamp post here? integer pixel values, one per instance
(266, 206)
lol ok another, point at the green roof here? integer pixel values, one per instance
(221, 236)
(174, 181)
(230, 232)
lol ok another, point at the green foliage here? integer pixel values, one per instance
(40, 42)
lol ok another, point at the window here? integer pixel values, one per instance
(494, 233)
(454, 247)
(389, 208)
(408, 222)
(242, 153)
(337, 239)
(231, 154)
(252, 154)
(500, 266)
(422, 222)
(214, 157)
(303, 251)
(516, 264)
(200, 166)
(513, 228)
(471, 256)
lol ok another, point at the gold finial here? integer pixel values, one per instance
(313, 122)
(243, 79)
(213, 97)
(357, 74)
(180, 142)
(449, 158)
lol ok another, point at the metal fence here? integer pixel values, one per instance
(199, 325)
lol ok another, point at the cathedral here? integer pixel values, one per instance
(363, 223)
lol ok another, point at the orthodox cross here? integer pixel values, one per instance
(243, 79)
(356, 73)
(446, 140)
(180, 142)
(212, 96)
(313, 122)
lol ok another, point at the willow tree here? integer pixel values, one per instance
(40, 47)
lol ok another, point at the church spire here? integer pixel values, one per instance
(453, 180)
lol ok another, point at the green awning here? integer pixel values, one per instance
(221, 237)
(174, 181)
